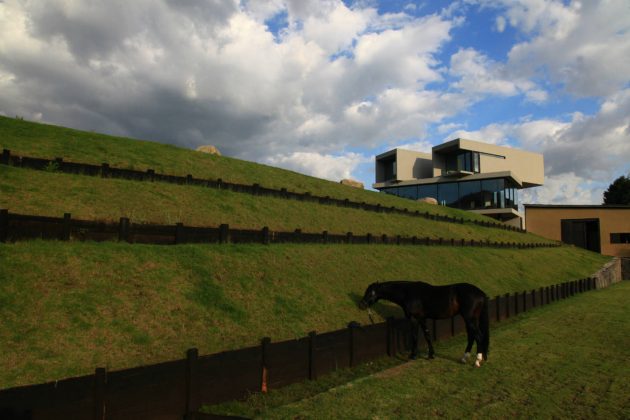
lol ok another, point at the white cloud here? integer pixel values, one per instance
(478, 74)
(324, 166)
(564, 188)
(500, 24)
(583, 45)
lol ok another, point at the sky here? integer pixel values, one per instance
(321, 87)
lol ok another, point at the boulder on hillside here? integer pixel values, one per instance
(428, 200)
(211, 150)
(351, 183)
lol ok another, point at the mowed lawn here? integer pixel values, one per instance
(69, 307)
(566, 360)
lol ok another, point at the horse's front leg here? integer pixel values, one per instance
(427, 336)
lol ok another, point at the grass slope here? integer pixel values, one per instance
(41, 140)
(543, 365)
(68, 307)
(52, 194)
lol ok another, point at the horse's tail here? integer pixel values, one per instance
(484, 327)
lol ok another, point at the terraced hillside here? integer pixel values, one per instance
(67, 307)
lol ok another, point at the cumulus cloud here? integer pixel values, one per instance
(478, 74)
(324, 166)
(582, 45)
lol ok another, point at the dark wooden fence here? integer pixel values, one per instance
(177, 389)
(106, 171)
(15, 227)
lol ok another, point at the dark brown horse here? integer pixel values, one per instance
(420, 301)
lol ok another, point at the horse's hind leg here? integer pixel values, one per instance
(427, 336)
(471, 339)
(474, 334)
(415, 327)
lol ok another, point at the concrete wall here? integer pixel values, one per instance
(413, 165)
(545, 221)
(526, 166)
(609, 274)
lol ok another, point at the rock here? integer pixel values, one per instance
(351, 183)
(428, 200)
(209, 149)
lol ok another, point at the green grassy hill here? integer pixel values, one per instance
(68, 307)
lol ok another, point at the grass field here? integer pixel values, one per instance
(566, 360)
(68, 307)
(52, 194)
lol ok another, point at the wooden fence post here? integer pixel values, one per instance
(368, 238)
(224, 233)
(349, 237)
(6, 156)
(524, 300)
(391, 348)
(100, 384)
(179, 233)
(384, 239)
(325, 236)
(65, 232)
(151, 174)
(351, 343)
(507, 305)
(123, 229)
(105, 170)
(264, 343)
(515, 303)
(533, 292)
(265, 235)
(497, 299)
(297, 235)
(4, 225)
(312, 367)
(193, 402)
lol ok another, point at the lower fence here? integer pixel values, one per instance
(15, 227)
(175, 389)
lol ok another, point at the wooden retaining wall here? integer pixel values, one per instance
(17, 227)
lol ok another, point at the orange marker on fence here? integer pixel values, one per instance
(264, 380)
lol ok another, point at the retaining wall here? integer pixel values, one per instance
(610, 273)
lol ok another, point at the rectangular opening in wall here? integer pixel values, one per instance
(620, 238)
(581, 232)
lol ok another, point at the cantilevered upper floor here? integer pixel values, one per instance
(458, 159)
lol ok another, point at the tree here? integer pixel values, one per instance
(618, 192)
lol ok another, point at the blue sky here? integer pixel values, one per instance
(322, 86)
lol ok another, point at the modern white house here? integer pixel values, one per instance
(465, 174)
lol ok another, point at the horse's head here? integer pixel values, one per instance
(370, 297)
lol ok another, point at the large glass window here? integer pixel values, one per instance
(392, 191)
(448, 194)
(464, 161)
(470, 195)
(410, 191)
(427, 191)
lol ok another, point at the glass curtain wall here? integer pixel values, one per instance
(467, 195)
